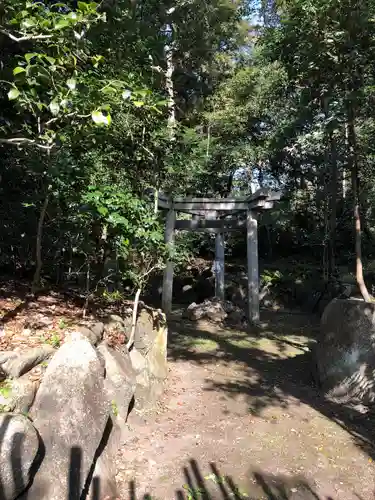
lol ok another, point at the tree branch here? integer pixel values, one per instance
(21, 141)
(25, 37)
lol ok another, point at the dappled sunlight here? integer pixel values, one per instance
(268, 369)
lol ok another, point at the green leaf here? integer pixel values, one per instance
(138, 104)
(54, 108)
(62, 23)
(13, 94)
(126, 94)
(103, 211)
(29, 56)
(97, 117)
(71, 83)
(51, 60)
(28, 23)
(18, 70)
(100, 119)
(82, 6)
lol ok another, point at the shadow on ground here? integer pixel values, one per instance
(268, 377)
(217, 487)
(17, 476)
(195, 486)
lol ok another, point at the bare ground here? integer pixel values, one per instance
(240, 418)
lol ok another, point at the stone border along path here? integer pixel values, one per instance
(240, 419)
(59, 433)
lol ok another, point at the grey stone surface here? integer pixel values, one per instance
(16, 366)
(157, 356)
(103, 484)
(151, 369)
(70, 412)
(18, 452)
(19, 395)
(138, 361)
(115, 319)
(94, 333)
(345, 351)
(213, 310)
(145, 332)
(120, 379)
(6, 355)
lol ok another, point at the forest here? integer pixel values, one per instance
(105, 105)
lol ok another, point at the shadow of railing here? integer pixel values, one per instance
(196, 486)
(215, 486)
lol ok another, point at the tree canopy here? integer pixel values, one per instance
(102, 103)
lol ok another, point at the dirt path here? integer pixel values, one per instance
(240, 419)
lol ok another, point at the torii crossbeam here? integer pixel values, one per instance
(209, 215)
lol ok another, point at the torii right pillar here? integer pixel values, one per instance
(252, 267)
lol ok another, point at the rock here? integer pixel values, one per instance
(18, 454)
(157, 357)
(16, 366)
(120, 381)
(194, 312)
(103, 484)
(6, 355)
(238, 294)
(145, 332)
(98, 330)
(345, 351)
(115, 319)
(213, 310)
(237, 317)
(94, 334)
(70, 411)
(23, 394)
(138, 361)
(152, 369)
(143, 387)
(18, 395)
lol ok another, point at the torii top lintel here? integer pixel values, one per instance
(262, 199)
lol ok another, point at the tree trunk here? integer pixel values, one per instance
(332, 209)
(353, 166)
(38, 251)
(134, 319)
(168, 51)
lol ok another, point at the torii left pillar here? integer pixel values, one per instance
(169, 268)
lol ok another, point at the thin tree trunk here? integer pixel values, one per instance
(38, 251)
(168, 51)
(332, 209)
(353, 165)
(156, 200)
(134, 319)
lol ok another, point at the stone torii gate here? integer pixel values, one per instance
(210, 215)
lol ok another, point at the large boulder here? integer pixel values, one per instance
(149, 358)
(70, 411)
(103, 485)
(216, 311)
(212, 310)
(345, 351)
(18, 395)
(16, 365)
(120, 378)
(146, 330)
(19, 451)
